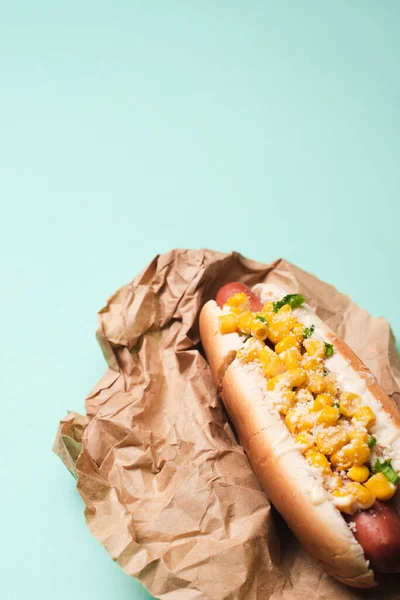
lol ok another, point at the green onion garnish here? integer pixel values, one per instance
(260, 318)
(294, 301)
(387, 469)
(308, 331)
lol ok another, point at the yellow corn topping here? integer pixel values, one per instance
(365, 416)
(307, 421)
(364, 497)
(227, 323)
(357, 452)
(315, 348)
(330, 440)
(239, 300)
(349, 403)
(381, 487)
(244, 321)
(267, 308)
(318, 460)
(328, 416)
(331, 388)
(322, 400)
(316, 383)
(288, 400)
(359, 474)
(291, 358)
(252, 350)
(289, 341)
(310, 363)
(291, 421)
(355, 433)
(272, 364)
(305, 441)
(280, 329)
(259, 329)
(331, 427)
(298, 332)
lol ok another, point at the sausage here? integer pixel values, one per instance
(378, 532)
(236, 287)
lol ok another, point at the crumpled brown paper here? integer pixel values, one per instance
(169, 492)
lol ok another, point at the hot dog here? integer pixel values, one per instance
(321, 434)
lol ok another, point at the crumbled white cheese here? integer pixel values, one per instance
(352, 526)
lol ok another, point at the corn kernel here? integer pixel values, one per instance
(316, 383)
(280, 329)
(239, 300)
(274, 382)
(331, 440)
(295, 377)
(268, 316)
(291, 421)
(284, 309)
(339, 460)
(365, 497)
(357, 453)
(322, 400)
(227, 323)
(251, 351)
(267, 308)
(358, 433)
(349, 403)
(274, 366)
(298, 332)
(314, 348)
(259, 329)
(292, 358)
(244, 321)
(328, 416)
(333, 482)
(290, 379)
(289, 341)
(380, 486)
(287, 401)
(331, 388)
(307, 421)
(359, 474)
(305, 441)
(310, 363)
(318, 460)
(344, 501)
(365, 416)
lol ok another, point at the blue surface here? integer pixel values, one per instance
(129, 128)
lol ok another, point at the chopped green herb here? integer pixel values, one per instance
(246, 335)
(308, 331)
(328, 349)
(260, 318)
(325, 373)
(387, 469)
(337, 405)
(294, 301)
(371, 442)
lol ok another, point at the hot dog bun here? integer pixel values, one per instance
(293, 486)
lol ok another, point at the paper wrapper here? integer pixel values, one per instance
(168, 491)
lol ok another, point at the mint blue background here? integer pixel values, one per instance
(128, 128)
